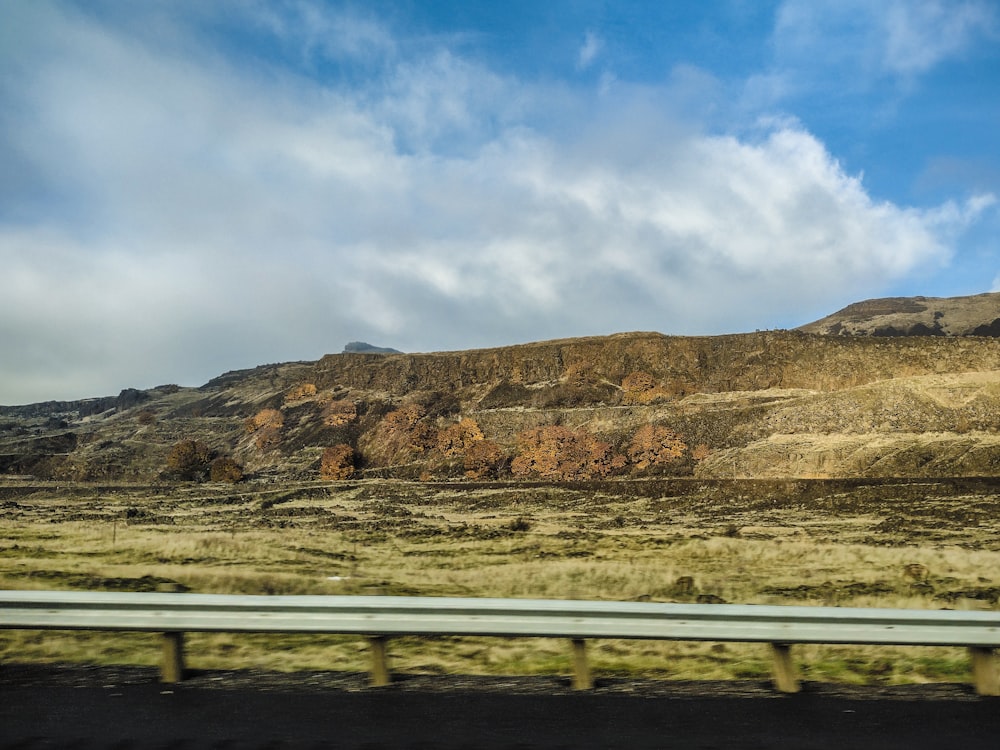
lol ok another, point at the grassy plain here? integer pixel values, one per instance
(810, 543)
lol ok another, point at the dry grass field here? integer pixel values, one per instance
(930, 544)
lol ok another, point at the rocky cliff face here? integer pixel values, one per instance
(775, 404)
(680, 365)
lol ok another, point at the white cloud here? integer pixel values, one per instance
(589, 50)
(853, 41)
(196, 217)
(920, 34)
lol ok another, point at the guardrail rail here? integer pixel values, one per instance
(381, 617)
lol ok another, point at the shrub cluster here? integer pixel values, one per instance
(266, 426)
(408, 434)
(193, 460)
(300, 393)
(655, 445)
(642, 388)
(456, 439)
(189, 460)
(337, 462)
(556, 452)
(226, 469)
(339, 412)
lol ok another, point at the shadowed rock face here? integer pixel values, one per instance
(977, 315)
(766, 404)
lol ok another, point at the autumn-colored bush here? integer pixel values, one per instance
(641, 388)
(265, 418)
(700, 452)
(337, 462)
(638, 381)
(340, 412)
(300, 392)
(403, 433)
(655, 445)
(266, 426)
(458, 438)
(483, 459)
(580, 373)
(147, 417)
(226, 469)
(189, 459)
(556, 452)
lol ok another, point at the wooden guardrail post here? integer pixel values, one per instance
(582, 678)
(786, 677)
(984, 670)
(172, 669)
(380, 662)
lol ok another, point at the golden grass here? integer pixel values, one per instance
(410, 539)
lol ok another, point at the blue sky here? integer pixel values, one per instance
(190, 187)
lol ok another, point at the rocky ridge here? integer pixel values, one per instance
(627, 406)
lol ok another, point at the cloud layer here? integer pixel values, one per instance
(180, 210)
(899, 38)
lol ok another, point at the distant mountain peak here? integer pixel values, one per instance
(361, 347)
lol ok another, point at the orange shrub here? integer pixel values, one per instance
(337, 462)
(580, 373)
(265, 418)
(655, 445)
(300, 392)
(641, 388)
(226, 469)
(189, 459)
(638, 381)
(483, 459)
(266, 426)
(458, 438)
(404, 431)
(556, 452)
(340, 412)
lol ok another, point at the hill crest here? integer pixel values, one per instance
(976, 315)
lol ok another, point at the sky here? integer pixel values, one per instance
(189, 187)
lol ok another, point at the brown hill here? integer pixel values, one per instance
(775, 404)
(977, 315)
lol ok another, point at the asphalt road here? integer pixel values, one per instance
(47, 707)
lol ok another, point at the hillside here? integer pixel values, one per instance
(768, 404)
(977, 315)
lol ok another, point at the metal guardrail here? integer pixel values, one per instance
(380, 617)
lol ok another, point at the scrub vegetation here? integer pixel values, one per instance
(858, 543)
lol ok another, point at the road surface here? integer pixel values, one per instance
(126, 707)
